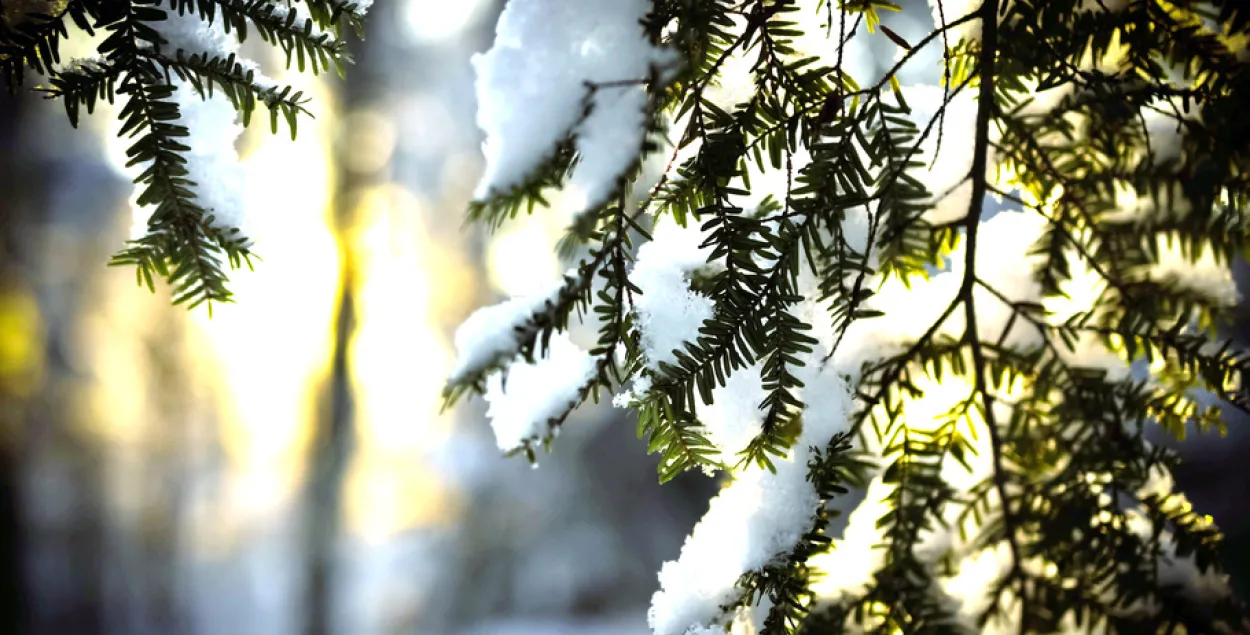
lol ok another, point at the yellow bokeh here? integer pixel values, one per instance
(21, 342)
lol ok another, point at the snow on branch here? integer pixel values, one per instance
(956, 283)
(212, 161)
(527, 397)
(585, 77)
(187, 95)
(760, 516)
(489, 336)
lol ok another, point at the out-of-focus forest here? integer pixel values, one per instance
(283, 467)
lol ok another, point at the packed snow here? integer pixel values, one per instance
(669, 312)
(489, 335)
(212, 161)
(534, 84)
(734, 418)
(758, 517)
(526, 397)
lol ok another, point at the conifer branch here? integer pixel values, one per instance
(280, 25)
(985, 112)
(1074, 435)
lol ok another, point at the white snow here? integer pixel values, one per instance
(1044, 101)
(524, 398)
(532, 86)
(608, 141)
(820, 39)
(767, 181)
(1004, 262)
(909, 309)
(1182, 571)
(212, 162)
(1199, 272)
(848, 567)
(669, 313)
(1112, 6)
(734, 416)
(1142, 208)
(488, 336)
(953, 10)
(758, 517)
(735, 83)
(971, 585)
(1164, 130)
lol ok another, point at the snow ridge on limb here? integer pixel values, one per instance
(538, 86)
(758, 520)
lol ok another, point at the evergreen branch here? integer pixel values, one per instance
(336, 14)
(526, 196)
(616, 330)
(895, 366)
(1218, 364)
(32, 40)
(985, 111)
(182, 244)
(238, 84)
(870, 91)
(576, 292)
(857, 296)
(533, 334)
(1072, 456)
(83, 86)
(786, 580)
(677, 436)
(728, 341)
(904, 584)
(1137, 333)
(499, 207)
(784, 336)
(179, 232)
(279, 25)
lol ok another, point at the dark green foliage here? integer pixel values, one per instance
(183, 245)
(1071, 468)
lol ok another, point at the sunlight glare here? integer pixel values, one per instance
(273, 342)
(399, 358)
(431, 21)
(522, 261)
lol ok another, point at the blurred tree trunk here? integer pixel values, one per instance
(327, 464)
(53, 509)
(333, 437)
(51, 570)
(13, 599)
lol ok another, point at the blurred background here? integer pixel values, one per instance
(283, 467)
